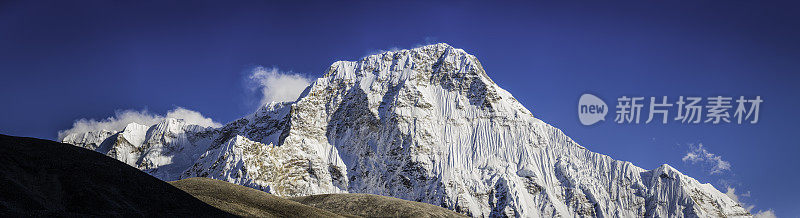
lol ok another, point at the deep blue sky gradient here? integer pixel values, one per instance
(61, 61)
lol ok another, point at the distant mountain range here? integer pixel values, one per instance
(425, 124)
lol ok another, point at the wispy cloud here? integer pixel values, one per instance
(276, 85)
(731, 192)
(122, 118)
(699, 154)
(192, 117)
(765, 214)
(272, 84)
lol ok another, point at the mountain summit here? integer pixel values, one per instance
(425, 124)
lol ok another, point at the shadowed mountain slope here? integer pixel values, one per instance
(47, 178)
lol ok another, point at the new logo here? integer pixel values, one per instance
(591, 109)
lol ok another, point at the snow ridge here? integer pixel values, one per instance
(425, 124)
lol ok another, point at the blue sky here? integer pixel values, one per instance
(65, 61)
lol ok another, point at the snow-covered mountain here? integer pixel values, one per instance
(425, 124)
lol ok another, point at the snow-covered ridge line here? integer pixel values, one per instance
(425, 124)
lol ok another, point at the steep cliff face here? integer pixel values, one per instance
(425, 124)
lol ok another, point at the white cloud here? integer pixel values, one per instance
(765, 214)
(114, 123)
(123, 117)
(278, 86)
(731, 192)
(699, 154)
(192, 117)
(273, 84)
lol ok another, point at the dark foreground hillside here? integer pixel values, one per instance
(47, 178)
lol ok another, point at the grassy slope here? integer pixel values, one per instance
(244, 201)
(369, 205)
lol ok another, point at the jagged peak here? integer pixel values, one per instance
(134, 133)
(435, 52)
(134, 126)
(274, 105)
(666, 168)
(427, 49)
(238, 139)
(429, 66)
